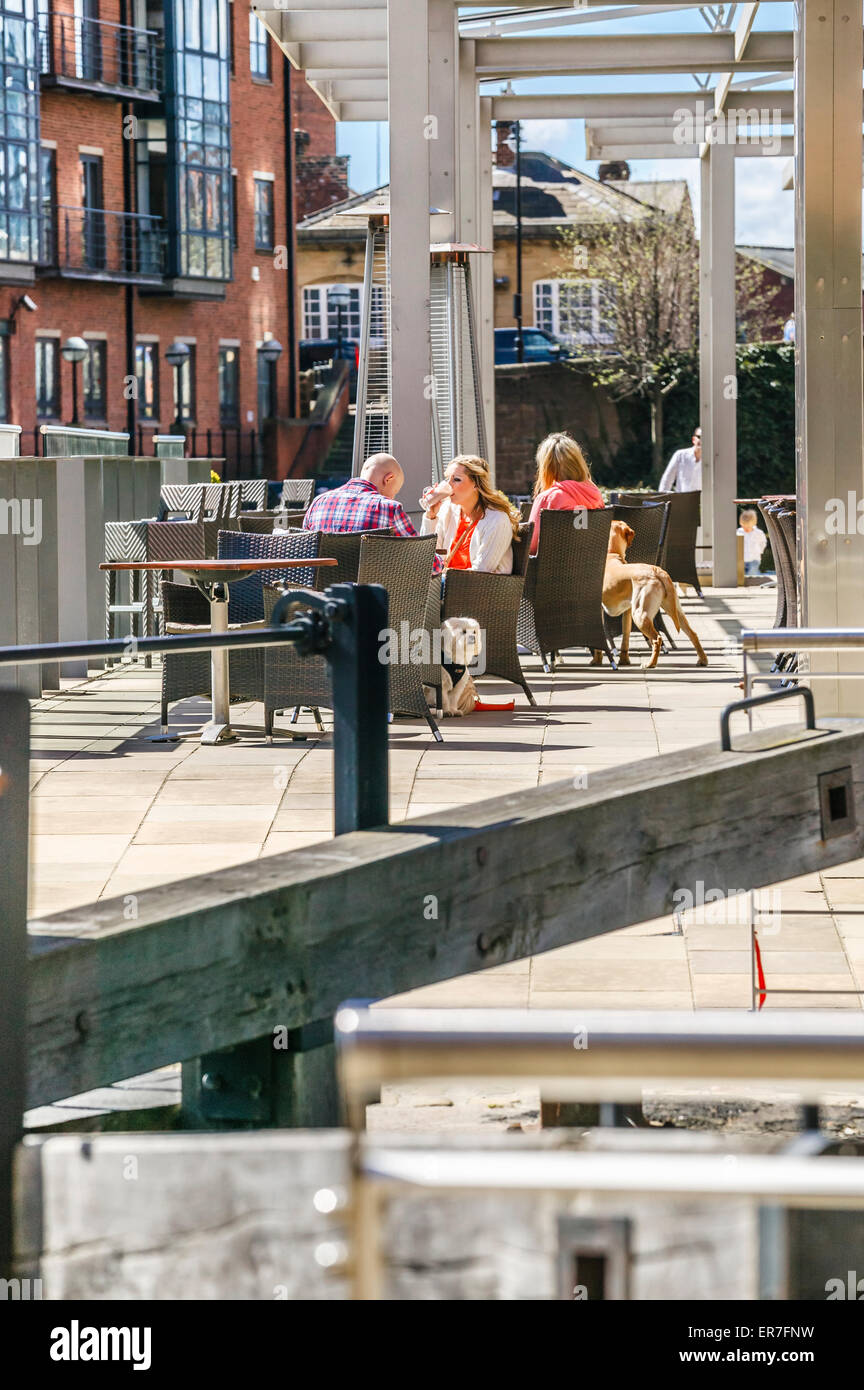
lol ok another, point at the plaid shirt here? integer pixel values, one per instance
(358, 506)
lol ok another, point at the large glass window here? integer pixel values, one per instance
(264, 223)
(259, 47)
(4, 375)
(184, 398)
(147, 375)
(578, 311)
(266, 389)
(322, 318)
(19, 132)
(229, 386)
(48, 196)
(95, 399)
(47, 378)
(199, 137)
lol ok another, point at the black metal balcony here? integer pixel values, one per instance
(96, 56)
(94, 244)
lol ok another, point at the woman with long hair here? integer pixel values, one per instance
(475, 524)
(563, 481)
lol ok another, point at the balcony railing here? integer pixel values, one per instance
(93, 243)
(99, 56)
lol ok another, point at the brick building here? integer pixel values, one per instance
(151, 150)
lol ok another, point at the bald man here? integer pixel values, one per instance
(367, 503)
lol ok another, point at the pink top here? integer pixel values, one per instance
(565, 496)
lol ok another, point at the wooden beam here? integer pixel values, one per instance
(280, 942)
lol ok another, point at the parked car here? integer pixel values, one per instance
(539, 346)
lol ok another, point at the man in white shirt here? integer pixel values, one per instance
(684, 470)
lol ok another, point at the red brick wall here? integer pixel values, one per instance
(251, 309)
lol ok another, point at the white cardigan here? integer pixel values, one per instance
(491, 544)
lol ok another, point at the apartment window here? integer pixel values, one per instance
(47, 378)
(321, 317)
(259, 47)
(93, 372)
(578, 311)
(235, 242)
(264, 223)
(147, 375)
(19, 132)
(4, 373)
(229, 386)
(266, 389)
(199, 142)
(93, 232)
(48, 201)
(184, 400)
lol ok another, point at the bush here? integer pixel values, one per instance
(766, 416)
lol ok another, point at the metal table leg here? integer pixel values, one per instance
(218, 730)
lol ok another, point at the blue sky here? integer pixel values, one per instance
(763, 210)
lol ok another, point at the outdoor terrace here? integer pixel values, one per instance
(114, 813)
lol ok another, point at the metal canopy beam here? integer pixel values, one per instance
(639, 150)
(665, 105)
(632, 53)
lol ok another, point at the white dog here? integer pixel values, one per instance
(461, 646)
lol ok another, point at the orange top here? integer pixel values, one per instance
(459, 557)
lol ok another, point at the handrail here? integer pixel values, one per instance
(803, 639)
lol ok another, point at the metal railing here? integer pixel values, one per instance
(97, 53)
(799, 639)
(96, 241)
(241, 451)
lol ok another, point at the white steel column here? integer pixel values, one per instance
(717, 375)
(828, 330)
(444, 182)
(486, 273)
(408, 58)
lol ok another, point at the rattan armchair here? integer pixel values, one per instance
(404, 568)
(493, 601)
(184, 606)
(679, 552)
(297, 493)
(562, 600)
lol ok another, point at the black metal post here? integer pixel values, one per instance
(517, 298)
(360, 705)
(14, 800)
(338, 332)
(75, 419)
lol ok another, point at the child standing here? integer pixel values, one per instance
(755, 541)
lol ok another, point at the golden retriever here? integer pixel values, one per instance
(636, 593)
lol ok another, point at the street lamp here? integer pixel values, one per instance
(175, 356)
(341, 297)
(74, 350)
(516, 138)
(271, 351)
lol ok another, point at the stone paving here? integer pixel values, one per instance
(114, 813)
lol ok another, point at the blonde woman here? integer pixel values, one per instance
(563, 480)
(475, 524)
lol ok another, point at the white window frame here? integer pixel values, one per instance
(316, 319)
(552, 313)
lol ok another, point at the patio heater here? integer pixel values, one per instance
(458, 420)
(74, 350)
(374, 369)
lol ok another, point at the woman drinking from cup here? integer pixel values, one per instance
(475, 524)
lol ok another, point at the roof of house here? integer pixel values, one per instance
(553, 193)
(779, 258)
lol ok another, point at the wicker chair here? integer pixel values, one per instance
(297, 493)
(650, 523)
(493, 600)
(562, 601)
(679, 554)
(253, 495)
(778, 550)
(185, 606)
(404, 568)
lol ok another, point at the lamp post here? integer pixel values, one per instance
(74, 350)
(517, 298)
(341, 297)
(175, 356)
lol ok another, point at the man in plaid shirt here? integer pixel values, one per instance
(367, 503)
